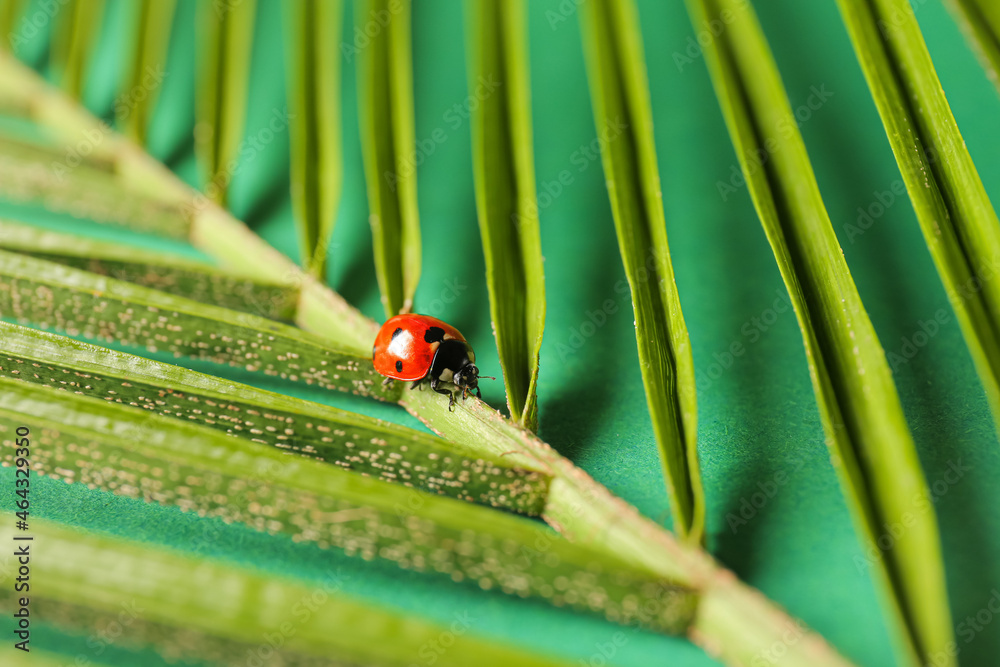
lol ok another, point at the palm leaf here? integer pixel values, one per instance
(11, 12)
(172, 605)
(182, 277)
(870, 445)
(505, 192)
(134, 453)
(350, 441)
(388, 145)
(959, 224)
(225, 43)
(980, 21)
(78, 25)
(734, 621)
(92, 306)
(625, 125)
(311, 27)
(151, 29)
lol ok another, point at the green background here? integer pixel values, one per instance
(760, 438)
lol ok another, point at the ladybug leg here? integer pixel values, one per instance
(386, 382)
(416, 384)
(442, 390)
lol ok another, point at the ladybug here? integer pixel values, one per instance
(415, 348)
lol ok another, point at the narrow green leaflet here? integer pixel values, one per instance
(82, 581)
(954, 211)
(11, 12)
(57, 181)
(388, 145)
(980, 21)
(311, 30)
(168, 273)
(153, 20)
(78, 24)
(134, 453)
(355, 442)
(734, 621)
(85, 304)
(620, 94)
(225, 42)
(177, 210)
(871, 448)
(503, 162)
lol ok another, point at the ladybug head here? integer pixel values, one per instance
(467, 377)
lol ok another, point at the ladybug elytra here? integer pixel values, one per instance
(415, 348)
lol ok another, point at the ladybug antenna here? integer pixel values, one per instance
(487, 377)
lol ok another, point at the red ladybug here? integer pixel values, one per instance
(414, 348)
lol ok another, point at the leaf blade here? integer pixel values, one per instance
(186, 278)
(153, 22)
(126, 450)
(503, 166)
(980, 21)
(97, 307)
(350, 441)
(225, 47)
(871, 447)
(90, 578)
(314, 105)
(78, 25)
(958, 222)
(388, 146)
(619, 91)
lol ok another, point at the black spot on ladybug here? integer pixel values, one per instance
(434, 335)
(395, 333)
(399, 366)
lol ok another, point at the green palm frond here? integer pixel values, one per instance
(388, 145)
(980, 20)
(624, 123)
(170, 604)
(314, 108)
(576, 505)
(225, 48)
(505, 194)
(870, 445)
